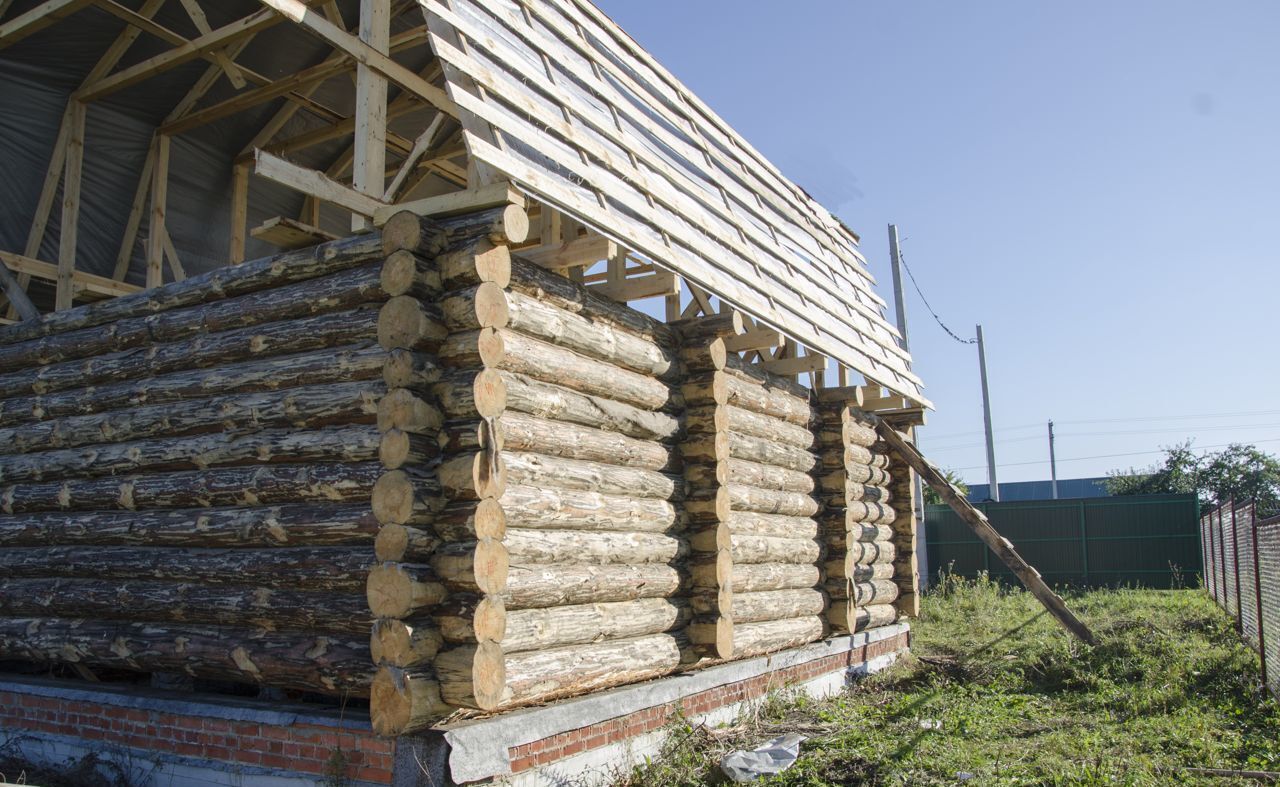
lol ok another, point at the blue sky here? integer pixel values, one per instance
(1098, 184)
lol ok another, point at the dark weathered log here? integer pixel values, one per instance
(741, 471)
(573, 509)
(302, 408)
(754, 639)
(473, 476)
(858, 512)
(318, 524)
(735, 366)
(837, 457)
(697, 332)
(776, 605)
(725, 388)
(474, 263)
(339, 291)
(556, 290)
(557, 403)
(553, 546)
(273, 609)
(728, 418)
(406, 273)
(472, 676)
(404, 544)
(406, 323)
(402, 497)
(541, 471)
(480, 566)
(838, 491)
(227, 486)
(431, 236)
(401, 409)
(522, 432)
(401, 701)
(469, 394)
(774, 576)
(469, 520)
(398, 590)
(520, 354)
(598, 339)
(580, 624)
(409, 369)
(768, 501)
(560, 584)
(268, 339)
(482, 306)
(356, 362)
(457, 437)
(468, 618)
(841, 537)
(285, 659)
(543, 675)
(337, 569)
(404, 643)
(336, 444)
(848, 617)
(399, 448)
(766, 549)
(274, 271)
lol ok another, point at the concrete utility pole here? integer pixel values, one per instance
(1053, 463)
(900, 301)
(986, 417)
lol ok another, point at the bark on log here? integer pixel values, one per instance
(553, 289)
(581, 624)
(474, 476)
(229, 486)
(520, 354)
(768, 501)
(727, 389)
(401, 409)
(698, 332)
(860, 573)
(475, 263)
(355, 362)
(711, 419)
(406, 273)
(404, 544)
(553, 546)
(765, 549)
(321, 524)
(745, 523)
(399, 449)
(274, 271)
(873, 592)
(539, 471)
(408, 369)
(561, 584)
(483, 306)
(737, 367)
(774, 576)
(866, 553)
(301, 408)
(402, 497)
(459, 437)
(286, 660)
(272, 609)
(598, 339)
(472, 676)
(840, 539)
(468, 394)
(544, 675)
(335, 569)
(480, 566)
(404, 643)
(839, 491)
(468, 618)
(573, 441)
(406, 323)
(747, 473)
(857, 512)
(269, 339)
(557, 403)
(403, 701)
(339, 291)
(470, 520)
(775, 605)
(432, 235)
(756, 449)
(755, 639)
(836, 457)
(572, 509)
(847, 617)
(398, 590)
(333, 444)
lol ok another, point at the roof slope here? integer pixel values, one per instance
(558, 98)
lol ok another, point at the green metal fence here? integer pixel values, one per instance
(1149, 540)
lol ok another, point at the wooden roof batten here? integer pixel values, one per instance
(548, 94)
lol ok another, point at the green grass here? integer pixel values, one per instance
(1170, 687)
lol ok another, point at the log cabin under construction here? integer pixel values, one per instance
(330, 361)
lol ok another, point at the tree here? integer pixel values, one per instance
(1239, 471)
(932, 498)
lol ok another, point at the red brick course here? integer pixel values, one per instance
(301, 747)
(570, 742)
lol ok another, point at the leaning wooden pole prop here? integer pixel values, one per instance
(982, 527)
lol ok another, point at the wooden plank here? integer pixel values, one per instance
(453, 203)
(88, 282)
(638, 287)
(198, 18)
(155, 227)
(171, 254)
(314, 183)
(786, 367)
(37, 19)
(17, 295)
(420, 146)
(239, 210)
(370, 160)
(70, 225)
(290, 233)
(758, 339)
(981, 527)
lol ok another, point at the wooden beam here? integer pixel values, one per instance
(316, 24)
(851, 395)
(37, 19)
(467, 201)
(314, 183)
(370, 160)
(69, 227)
(17, 294)
(579, 251)
(224, 61)
(758, 339)
(289, 233)
(638, 287)
(155, 229)
(787, 367)
(239, 210)
(420, 146)
(981, 527)
(170, 253)
(88, 282)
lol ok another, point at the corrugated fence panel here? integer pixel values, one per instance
(1150, 540)
(1269, 569)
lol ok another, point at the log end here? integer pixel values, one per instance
(401, 702)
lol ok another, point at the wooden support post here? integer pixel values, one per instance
(370, 160)
(70, 205)
(239, 210)
(977, 521)
(159, 195)
(17, 295)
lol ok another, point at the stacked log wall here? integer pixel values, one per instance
(906, 567)
(861, 494)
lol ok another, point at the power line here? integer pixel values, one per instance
(1111, 456)
(903, 259)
